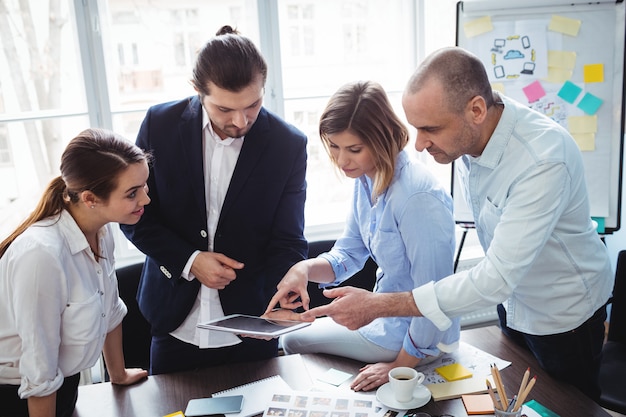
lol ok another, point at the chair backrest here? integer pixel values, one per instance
(617, 321)
(136, 335)
(365, 278)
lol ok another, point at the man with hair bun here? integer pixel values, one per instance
(227, 218)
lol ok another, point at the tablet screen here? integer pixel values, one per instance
(243, 324)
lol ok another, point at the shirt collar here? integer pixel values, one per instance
(72, 234)
(494, 151)
(208, 127)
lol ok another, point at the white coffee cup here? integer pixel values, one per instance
(403, 381)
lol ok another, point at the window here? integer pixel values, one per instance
(104, 62)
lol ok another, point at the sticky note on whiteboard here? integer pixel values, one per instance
(564, 25)
(582, 124)
(593, 73)
(590, 103)
(478, 26)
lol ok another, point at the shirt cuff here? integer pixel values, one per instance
(187, 269)
(426, 301)
(27, 389)
(411, 348)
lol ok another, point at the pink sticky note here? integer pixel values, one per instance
(534, 91)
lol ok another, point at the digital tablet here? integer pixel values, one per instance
(200, 407)
(251, 325)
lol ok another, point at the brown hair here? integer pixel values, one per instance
(228, 60)
(460, 73)
(92, 161)
(363, 109)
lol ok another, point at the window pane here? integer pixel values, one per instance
(39, 64)
(151, 45)
(325, 44)
(41, 92)
(35, 159)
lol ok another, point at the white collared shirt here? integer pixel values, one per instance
(220, 158)
(57, 304)
(543, 257)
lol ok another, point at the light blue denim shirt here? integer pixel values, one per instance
(409, 232)
(544, 259)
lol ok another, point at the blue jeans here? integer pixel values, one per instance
(169, 354)
(572, 357)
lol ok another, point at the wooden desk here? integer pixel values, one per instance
(163, 394)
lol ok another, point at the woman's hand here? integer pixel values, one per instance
(372, 376)
(292, 287)
(129, 377)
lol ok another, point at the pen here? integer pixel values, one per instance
(511, 404)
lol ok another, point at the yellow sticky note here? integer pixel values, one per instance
(564, 25)
(593, 73)
(586, 141)
(558, 75)
(454, 372)
(582, 124)
(562, 59)
(499, 87)
(478, 26)
(176, 414)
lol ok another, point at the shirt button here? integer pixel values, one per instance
(203, 233)
(104, 315)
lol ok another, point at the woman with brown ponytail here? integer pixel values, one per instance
(59, 303)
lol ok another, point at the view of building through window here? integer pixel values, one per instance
(68, 66)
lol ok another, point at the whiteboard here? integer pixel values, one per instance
(564, 58)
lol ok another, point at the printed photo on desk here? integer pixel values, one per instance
(252, 325)
(325, 404)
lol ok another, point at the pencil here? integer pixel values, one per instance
(522, 386)
(520, 400)
(499, 386)
(496, 403)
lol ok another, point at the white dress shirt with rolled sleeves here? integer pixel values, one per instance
(57, 304)
(544, 259)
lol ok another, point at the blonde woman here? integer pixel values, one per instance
(400, 216)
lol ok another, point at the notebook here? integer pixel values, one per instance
(454, 389)
(256, 395)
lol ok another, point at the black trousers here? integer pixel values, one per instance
(573, 357)
(11, 405)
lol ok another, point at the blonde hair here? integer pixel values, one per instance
(363, 109)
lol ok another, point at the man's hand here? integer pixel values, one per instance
(351, 307)
(354, 307)
(215, 270)
(290, 288)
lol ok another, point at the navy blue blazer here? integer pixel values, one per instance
(261, 222)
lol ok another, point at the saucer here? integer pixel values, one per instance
(421, 395)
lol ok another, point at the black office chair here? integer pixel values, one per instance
(135, 328)
(613, 366)
(365, 278)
